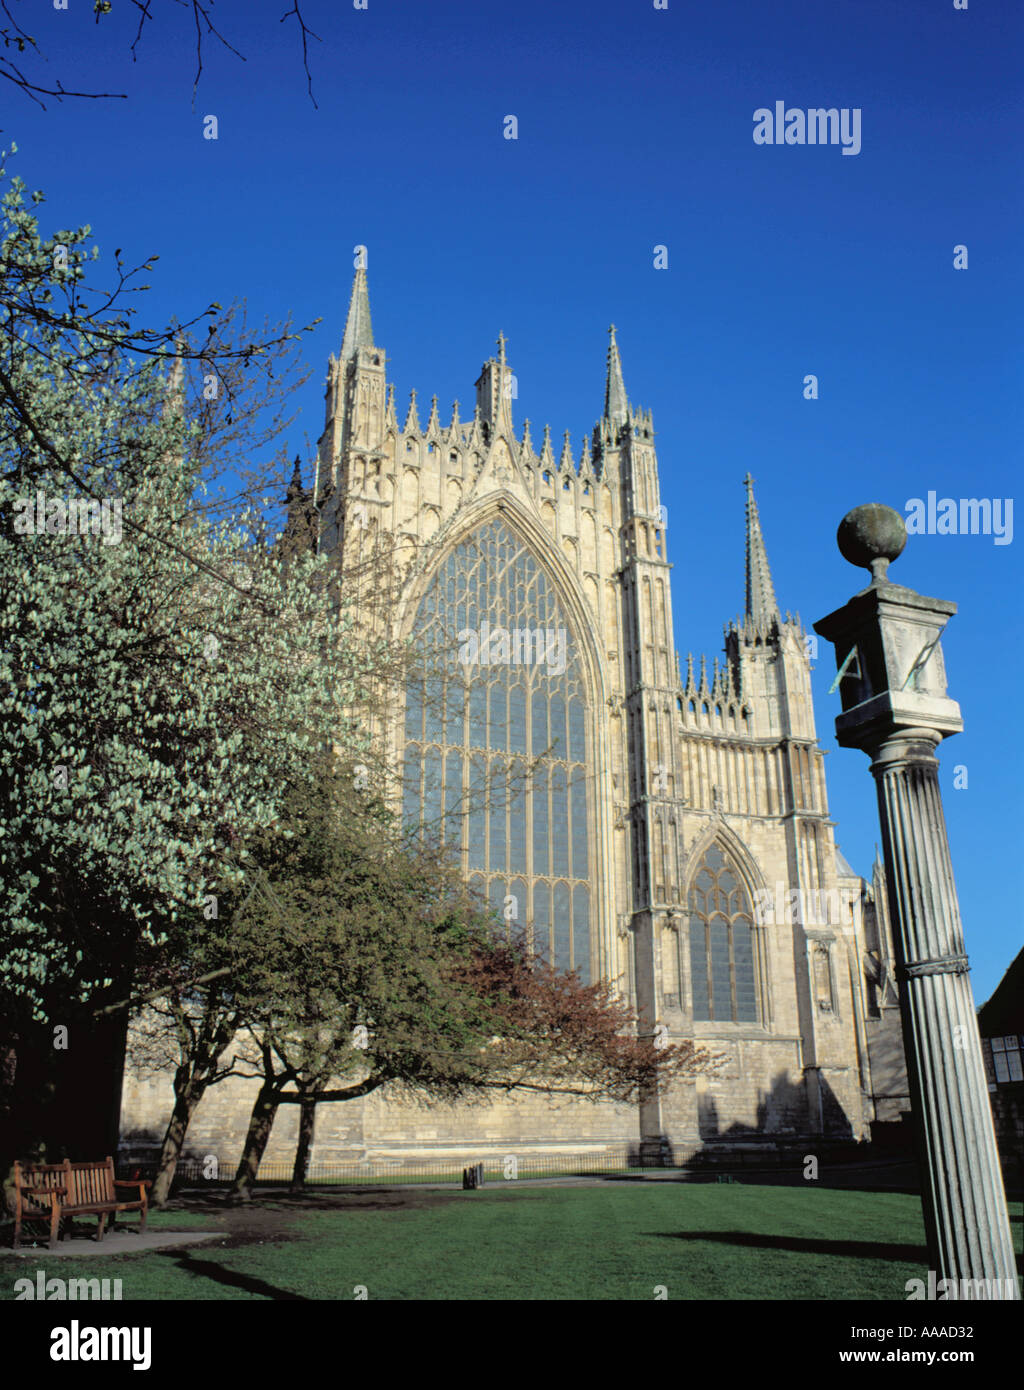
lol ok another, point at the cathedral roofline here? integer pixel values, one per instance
(492, 417)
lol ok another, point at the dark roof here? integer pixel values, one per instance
(1004, 1012)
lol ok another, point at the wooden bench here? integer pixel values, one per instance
(58, 1192)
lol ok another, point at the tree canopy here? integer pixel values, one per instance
(165, 670)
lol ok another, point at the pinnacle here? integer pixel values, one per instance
(412, 419)
(546, 453)
(761, 606)
(358, 330)
(616, 407)
(565, 463)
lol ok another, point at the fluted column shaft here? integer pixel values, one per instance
(964, 1203)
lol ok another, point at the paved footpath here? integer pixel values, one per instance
(116, 1243)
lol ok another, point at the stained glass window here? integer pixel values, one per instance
(721, 944)
(501, 706)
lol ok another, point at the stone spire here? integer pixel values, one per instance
(616, 407)
(494, 388)
(176, 380)
(761, 606)
(300, 532)
(358, 330)
(174, 401)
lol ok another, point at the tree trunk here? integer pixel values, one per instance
(307, 1123)
(185, 1103)
(261, 1122)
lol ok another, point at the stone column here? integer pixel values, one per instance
(892, 683)
(964, 1203)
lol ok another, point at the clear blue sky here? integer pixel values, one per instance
(635, 129)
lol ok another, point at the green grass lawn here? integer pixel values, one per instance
(613, 1241)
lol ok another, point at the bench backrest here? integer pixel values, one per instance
(35, 1177)
(89, 1183)
(46, 1175)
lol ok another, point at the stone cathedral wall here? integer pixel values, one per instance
(758, 1095)
(734, 753)
(381, 1126)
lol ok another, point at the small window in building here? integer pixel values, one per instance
(453, 458)
(1006, 1059)
(565, 485)
(430, 448)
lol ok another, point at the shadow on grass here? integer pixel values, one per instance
(231, 1277)
(799, 1245)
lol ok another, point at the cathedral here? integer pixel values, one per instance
(666, 829)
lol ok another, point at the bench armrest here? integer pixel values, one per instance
(133, 1182)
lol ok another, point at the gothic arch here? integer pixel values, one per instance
(731, 844)
(543, 546)
(744, 943)
(563, 899)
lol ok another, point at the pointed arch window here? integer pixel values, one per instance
(722, 973)
(497, 757)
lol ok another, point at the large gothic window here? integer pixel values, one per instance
(721, 943)
(496, 761)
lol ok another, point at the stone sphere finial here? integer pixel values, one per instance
(872, 536)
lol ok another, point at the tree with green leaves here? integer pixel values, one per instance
(367, 962)
(359, 959)
(166, 669)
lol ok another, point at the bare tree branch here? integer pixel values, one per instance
(304, 29)
(14, 38)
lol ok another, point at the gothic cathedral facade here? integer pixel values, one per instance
(666, 830)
